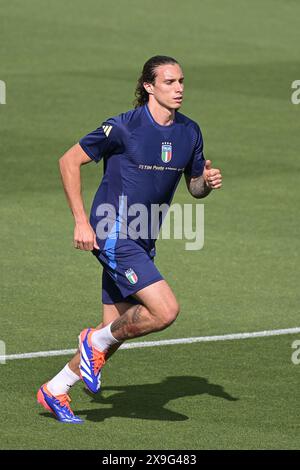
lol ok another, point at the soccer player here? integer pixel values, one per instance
(145, 152)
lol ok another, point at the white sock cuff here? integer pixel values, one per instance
(103, 339)
(113, 339)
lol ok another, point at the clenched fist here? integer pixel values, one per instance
(84, 237)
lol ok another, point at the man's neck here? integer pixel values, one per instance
(161, 115)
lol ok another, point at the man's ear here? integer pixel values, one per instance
(148, 87)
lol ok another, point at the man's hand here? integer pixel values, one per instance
(212, 176)
(201, 186)
(84, 237)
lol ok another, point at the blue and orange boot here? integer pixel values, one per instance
(58, 405)
(91, 361)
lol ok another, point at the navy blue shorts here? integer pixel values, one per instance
(127, 269)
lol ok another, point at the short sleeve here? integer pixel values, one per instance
(103, 141)
(196, 164)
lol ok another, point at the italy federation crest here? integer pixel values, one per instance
(131, 276)
(166, 151)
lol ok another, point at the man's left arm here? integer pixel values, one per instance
(201, 186)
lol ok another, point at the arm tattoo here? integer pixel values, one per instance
(197, 187)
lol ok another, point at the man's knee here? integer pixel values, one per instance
(169, 314)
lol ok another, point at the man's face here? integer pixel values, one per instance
(168, 86)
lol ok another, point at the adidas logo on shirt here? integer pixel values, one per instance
(107, 130)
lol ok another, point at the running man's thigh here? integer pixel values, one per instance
(158, 298)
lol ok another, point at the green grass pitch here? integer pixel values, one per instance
(68, 66)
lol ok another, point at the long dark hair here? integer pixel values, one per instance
(148, 75)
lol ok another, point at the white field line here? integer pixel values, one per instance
(149, 344)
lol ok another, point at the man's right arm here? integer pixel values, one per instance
(70, 164)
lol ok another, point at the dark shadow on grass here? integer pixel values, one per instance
(148, 401)
(48, 415)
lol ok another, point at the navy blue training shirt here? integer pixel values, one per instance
(143, 164)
